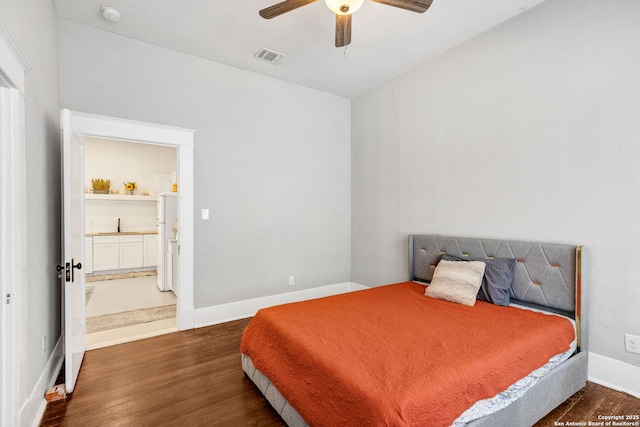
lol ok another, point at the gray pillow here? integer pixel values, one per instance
(497, 279)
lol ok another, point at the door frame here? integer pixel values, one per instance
(93, 125)
(13, 247)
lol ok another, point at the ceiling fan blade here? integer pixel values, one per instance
(283, 7)
(418, 6)
(343, 30)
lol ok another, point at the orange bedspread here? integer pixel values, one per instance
(390, 356)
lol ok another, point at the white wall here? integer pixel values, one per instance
(119, 162)
(272, 159)
(101, 216)
(122, 161)
(529, 131)
(33, 23)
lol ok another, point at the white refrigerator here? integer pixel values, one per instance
(167, 221)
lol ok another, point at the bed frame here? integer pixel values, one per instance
(548, 276)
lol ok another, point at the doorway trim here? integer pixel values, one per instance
(13, 247)
(135, 131)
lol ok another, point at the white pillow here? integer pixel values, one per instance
(456, 281)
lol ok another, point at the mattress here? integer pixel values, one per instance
(394, 364)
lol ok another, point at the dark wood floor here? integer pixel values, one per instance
(194, 378)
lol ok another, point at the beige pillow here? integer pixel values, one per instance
(456, 281)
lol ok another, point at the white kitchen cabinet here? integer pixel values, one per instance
(116, 252)
(88, 255)
(106, 253)
(150, 250)
(131, 251)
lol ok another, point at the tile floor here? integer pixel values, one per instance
(119, 295)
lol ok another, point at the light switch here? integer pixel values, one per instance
(205, 213)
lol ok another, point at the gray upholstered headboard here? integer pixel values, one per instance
(547, 275)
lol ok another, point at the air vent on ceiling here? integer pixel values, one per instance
(269, 55)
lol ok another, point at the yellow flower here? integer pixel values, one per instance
(130, 186)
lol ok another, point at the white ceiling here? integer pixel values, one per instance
(386, 41)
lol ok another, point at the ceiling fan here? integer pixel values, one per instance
(343, 10)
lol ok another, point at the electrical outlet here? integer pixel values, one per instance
(632, 343)
(292, 280)
(205, 214)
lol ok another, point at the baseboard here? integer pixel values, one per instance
(186, 318)
(614, 374)
(241, 309)
(33, 409)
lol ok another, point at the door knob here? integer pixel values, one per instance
(69, 270)
(78, 266)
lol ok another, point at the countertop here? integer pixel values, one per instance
(122, 233)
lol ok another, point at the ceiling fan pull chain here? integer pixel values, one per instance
(344, 32)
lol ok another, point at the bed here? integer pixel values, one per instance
(385, 355)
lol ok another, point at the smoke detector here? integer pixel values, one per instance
(110, 13)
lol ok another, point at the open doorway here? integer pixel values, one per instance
(76, 128)
(131, 236)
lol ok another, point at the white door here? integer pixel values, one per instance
(13, 229)
(72, 251)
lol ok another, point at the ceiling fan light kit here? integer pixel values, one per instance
(343, 7)
(343, 10)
